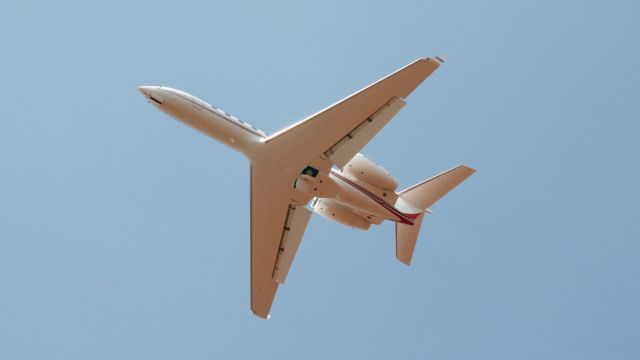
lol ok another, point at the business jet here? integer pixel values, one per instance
(317, 161)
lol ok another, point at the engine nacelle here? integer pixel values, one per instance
(362, 168)
(337, 212)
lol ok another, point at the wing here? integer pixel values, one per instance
(331, 137)
(334, 135)
(277, 226)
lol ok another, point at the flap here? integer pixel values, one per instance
(294, 227)
(347, 147)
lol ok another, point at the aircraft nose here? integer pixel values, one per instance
(145, 90)
(152, 93)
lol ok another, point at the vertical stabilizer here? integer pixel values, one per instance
(406, 237)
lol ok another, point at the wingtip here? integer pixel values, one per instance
(261, 315)
(441, 58)
(470, 169)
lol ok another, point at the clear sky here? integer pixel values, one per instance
(125, 235)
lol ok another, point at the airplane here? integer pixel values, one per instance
(317, 161)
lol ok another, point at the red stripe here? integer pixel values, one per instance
(411, 216)
(404, 218)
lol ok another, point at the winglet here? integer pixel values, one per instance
(441, 59)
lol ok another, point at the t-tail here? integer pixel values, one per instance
(417, 199)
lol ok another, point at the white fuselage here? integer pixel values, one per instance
(205, 118)
(246, 139)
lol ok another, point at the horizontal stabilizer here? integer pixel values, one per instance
(426, 193)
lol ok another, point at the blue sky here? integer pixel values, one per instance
(125, 234)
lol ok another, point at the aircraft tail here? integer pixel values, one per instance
(421, 196)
